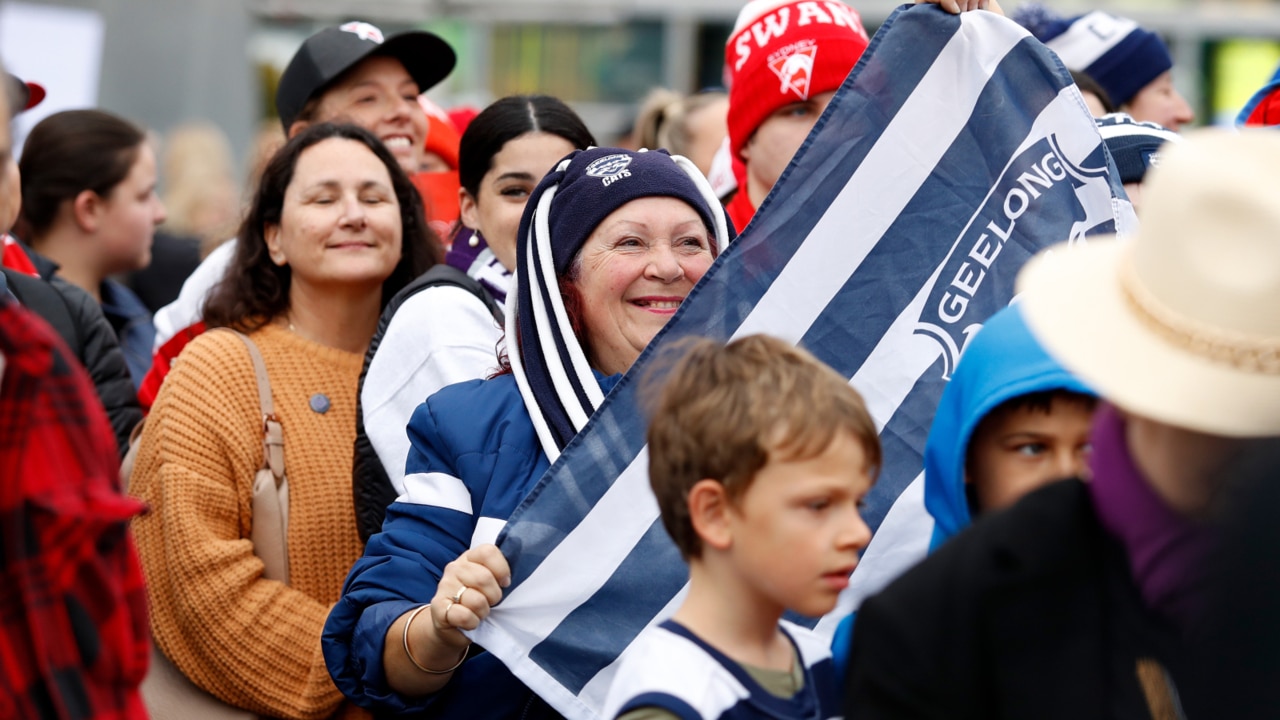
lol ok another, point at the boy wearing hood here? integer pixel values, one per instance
(1010, 420)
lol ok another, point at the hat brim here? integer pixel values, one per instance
(1073, 303)
(427, 58)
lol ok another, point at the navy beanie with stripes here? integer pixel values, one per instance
(601, 180)
(1134, 145)
(1122, 56)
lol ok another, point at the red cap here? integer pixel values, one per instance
(786, 51)
(462, 115)
(442, 135)
(35, 93)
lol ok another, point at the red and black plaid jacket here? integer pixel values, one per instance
(74, 641)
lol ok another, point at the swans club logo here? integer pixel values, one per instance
(794, 67)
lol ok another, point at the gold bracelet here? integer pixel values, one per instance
(414, 660)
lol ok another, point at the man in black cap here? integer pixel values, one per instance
(350, 74)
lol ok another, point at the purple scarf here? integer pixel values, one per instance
(471, 254)
(1167, 552)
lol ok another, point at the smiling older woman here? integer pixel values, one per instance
(610, 244)
(335, 230)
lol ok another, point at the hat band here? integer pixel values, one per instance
(1237, 350)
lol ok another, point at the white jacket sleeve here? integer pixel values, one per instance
(440, 336)
(184, 312)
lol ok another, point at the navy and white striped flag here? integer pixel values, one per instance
(957, 148)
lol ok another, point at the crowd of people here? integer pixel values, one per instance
(279, 494)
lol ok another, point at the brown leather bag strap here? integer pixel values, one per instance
(270, 528)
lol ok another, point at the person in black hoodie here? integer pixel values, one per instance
(71, 312)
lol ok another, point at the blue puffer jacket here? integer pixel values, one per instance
(474, 456)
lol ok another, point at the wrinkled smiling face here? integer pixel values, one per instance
(379, 95)
(633, 272)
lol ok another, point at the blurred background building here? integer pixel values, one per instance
(164, 63)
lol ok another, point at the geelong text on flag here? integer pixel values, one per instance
(956, 149)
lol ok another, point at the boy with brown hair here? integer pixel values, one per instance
(759, 456)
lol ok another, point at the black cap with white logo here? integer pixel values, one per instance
(332, 51)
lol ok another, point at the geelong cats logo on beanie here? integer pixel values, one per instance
(610, 168)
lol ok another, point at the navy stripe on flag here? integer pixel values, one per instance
(919, 239)
(596, 629)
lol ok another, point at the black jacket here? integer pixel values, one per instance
(78, 319)
(1030, 613)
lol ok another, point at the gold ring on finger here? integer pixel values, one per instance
(457, 597)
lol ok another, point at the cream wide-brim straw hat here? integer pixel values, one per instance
(1181, 323)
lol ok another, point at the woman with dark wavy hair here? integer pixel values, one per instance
(334, 231)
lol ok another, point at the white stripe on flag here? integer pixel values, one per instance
(604, 538)
(951, 88)
(895, 365)
(438, 490)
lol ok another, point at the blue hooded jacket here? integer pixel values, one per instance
(1002, 362)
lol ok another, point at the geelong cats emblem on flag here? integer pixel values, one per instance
(956, 149)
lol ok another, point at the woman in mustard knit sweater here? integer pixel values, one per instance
(334, 231)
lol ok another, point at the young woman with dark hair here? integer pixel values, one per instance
(334, 230)
(505, 151)
(89, 204)
(444, 333)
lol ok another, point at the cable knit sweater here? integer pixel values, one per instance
(252, 642)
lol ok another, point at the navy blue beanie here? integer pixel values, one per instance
(1133, 145)
(600, 180)
(1115, 51)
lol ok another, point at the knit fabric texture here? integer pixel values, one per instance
(1122, 56)
(252, 642)
(783, 52)
(596, 182)
(1134, 145)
